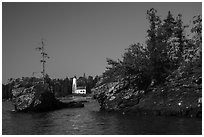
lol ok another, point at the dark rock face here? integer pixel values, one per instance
(117, 96)
(37, 97)
(180, 95)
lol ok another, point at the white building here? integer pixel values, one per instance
(77, 90)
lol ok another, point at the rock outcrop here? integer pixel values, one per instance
(37, 97)
(117, 96)
(180, 95)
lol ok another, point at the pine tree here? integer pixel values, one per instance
(169, 26)
(135, 66)
(197, 38)
(169, 43)
(179, 33)
(153, 45)
(193, 50)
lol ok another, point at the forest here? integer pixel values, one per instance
(168, 47)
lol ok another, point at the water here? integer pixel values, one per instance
(89, 120)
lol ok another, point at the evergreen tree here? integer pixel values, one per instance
(179, 33)
(193, 49)
(197, 38)
(169, 26)
(153, 45)
(113, 70)
(135, 66)
(167, 39)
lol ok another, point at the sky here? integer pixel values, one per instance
(78, 36)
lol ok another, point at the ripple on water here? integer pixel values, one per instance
(89, 120)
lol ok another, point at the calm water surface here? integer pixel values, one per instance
(89, 120)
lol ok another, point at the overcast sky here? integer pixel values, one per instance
(79, 36)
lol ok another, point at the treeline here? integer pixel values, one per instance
(60, 87)
(63, 87)
(6, 91)
(167, 49)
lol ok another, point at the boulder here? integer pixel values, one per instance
(37, 97)
(115, 96)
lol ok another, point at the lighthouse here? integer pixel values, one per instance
(74, 86)
(77, 90)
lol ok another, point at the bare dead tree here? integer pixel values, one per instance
(44, 56)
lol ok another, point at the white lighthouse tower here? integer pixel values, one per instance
(77, 90)
(74, 86)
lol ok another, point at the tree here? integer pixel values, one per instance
(197, 38)
(169, 46)
(96, 79)
(44, 57)
(193, 49)
(169, 26)
(135, 66)
(90, 84)
(113, 70)
(179, 33)
(154, 47)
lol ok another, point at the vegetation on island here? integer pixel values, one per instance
(167, 48)
(162, 75)
(60, 87)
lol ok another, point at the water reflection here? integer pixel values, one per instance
(89, 120)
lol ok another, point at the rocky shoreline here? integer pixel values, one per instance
(38, 97)
(180, 95)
